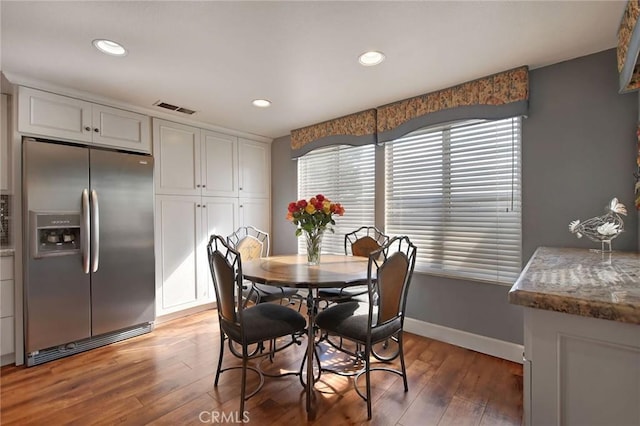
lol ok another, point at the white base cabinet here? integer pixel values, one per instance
(580, 370)
(183, 227)
(7, 342)
(177, 238)
(50, 115)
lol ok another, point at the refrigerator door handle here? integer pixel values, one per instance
(85, 231)
(95, 225)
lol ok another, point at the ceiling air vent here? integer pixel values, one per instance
(171, 107)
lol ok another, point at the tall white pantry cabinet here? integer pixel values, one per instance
(205, 183)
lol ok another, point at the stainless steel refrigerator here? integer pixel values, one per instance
(89, 256)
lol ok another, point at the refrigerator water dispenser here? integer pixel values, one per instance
(55, 233)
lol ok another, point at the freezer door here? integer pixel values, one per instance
(57, 290)
(123, 284)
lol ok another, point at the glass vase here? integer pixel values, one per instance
(313, 240)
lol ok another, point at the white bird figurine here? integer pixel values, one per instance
(603, 228)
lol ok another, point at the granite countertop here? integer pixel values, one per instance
(581, 282)
(6, 252)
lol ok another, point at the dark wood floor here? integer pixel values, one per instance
(166, 377)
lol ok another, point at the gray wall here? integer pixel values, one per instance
(578, 152)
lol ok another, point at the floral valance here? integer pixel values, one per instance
(628, 48)
(353, 129)
(501, 95)
(497, 96)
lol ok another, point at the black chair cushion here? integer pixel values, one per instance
(264, 322)
(342, 293)
(350, 319)
(269, 293)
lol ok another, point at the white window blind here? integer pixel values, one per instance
(456, 192)
(345, 175)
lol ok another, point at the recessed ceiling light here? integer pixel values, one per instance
(110, 47)
(371, 58)
(261, 103)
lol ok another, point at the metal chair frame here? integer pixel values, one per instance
(387, 299)
(221, 253)
(245, 239)
(360, 242)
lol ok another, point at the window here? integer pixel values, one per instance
(345, 175)
(456, 192)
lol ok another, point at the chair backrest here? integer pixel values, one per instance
(250, 242)
(226, 270)
(364, 240)
(393, 266)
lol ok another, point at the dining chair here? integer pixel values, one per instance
(246, 325)
(361, 242)
(390, 271)
(253, 243)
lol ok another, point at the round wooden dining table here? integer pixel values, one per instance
(293, 271)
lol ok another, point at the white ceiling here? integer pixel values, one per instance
(215, 57)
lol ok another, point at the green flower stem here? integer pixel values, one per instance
(313, 240)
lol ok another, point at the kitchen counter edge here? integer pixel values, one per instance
(581, 282)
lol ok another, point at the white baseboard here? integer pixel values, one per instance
(185, 312)
(7, 359)
(486, 345)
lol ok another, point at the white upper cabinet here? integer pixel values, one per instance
(120, 128)
(51, 115)
(192, 161)
(176, 148)
(44, 113)
(219, 162)
(255, 169)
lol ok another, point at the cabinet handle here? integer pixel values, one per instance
(204, 186)
(96, 130)
(197, 186)
(88, 129)
(240, 188)
(204, 206)
(197, 205)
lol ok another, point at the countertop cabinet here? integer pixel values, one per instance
(581, 337)
(7, 344)
(51, 115)
(582, 371)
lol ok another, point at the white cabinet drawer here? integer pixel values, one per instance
(6, 336)
(6, 267)
(6, 298)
